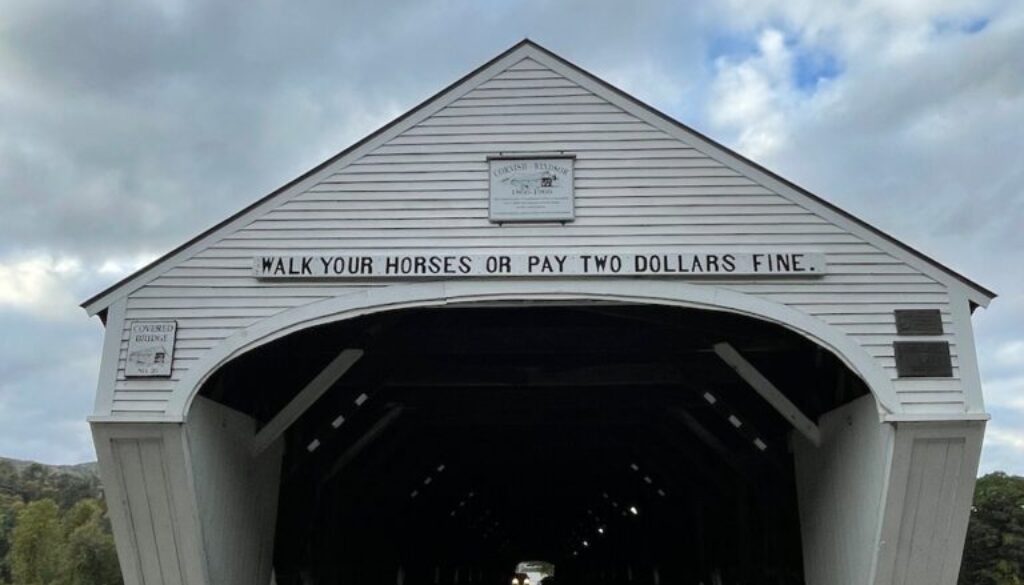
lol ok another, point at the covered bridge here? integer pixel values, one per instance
(534, 319)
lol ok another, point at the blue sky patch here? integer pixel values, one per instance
(968, 26)
(811, 67)
(731, 45)
(974, 25)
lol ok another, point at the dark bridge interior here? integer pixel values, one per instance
(610, 440)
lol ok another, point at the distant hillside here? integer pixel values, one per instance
(85, 470)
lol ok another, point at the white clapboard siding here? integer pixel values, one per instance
(637, 189)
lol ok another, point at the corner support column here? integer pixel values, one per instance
(928, 502)
(152, 506)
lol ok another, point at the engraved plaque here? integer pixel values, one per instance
(918, 322)
(923, 359)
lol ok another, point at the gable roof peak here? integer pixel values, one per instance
(528, 48)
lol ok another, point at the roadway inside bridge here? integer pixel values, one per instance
(610, 440)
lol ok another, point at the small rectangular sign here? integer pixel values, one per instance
(531, 189)
(150, 348)
(918, 322)
(656, 264)
(923, 359)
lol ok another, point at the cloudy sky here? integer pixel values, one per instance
(126, 128)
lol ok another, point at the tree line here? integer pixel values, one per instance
(994, 551)
(54, 530)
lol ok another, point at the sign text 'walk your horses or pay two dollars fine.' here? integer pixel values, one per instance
(665, 264)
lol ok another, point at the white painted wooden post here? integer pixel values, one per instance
(152, 506)
(840, 487)
(928, 501)
(237, 491)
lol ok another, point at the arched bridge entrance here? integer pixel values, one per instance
(623, 442)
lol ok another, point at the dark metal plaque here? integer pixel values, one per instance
(918, 322)
(923, 359)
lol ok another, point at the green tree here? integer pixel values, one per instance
(70, 489)
(37, 544)
(994, 552)
(90, 557)
(40, 545)
(9, 508)
(36, 483)
(9, 480)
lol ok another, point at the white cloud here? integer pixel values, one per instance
(1003, 449)
(916, 132)
(38, 285)
(1006, 392)
(120, 267)
(753, 96)
(50, 287)
(649, 81)
(1011, 353)
(898, 74)
(1004, 437)
(890, 29)
(1003, 376)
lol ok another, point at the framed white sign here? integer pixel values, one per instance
(150, 349)
(531, 189)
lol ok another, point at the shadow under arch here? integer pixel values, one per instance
(445, 293)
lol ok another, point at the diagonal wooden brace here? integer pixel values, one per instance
(304, 399)
(769, 392)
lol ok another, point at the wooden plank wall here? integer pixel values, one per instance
(928, 505)
(637, 188)
(840, 490)
(236, 492)
(144, 473)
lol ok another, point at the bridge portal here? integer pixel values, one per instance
(536, 319)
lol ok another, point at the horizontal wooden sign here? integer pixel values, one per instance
(667, 264)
